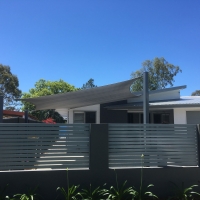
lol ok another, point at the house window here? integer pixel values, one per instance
(85, 117)
(135, 118)
(161, 118)
(79, 117)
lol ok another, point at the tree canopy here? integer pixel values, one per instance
(196, 93)
(9, 87)
(161, 74)
(43, 88)
(89, 84)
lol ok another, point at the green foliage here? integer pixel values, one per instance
(9, 88)
(143, 192)
(196, 93)
(30, 195)
(119, 193)
(43, 88)
(89, 84)
(161, 74)
(71, 193)
(90, 194)
(182, 193)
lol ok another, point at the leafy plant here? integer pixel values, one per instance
(119, 193)
(143, 192)
(90, 194)
(182, 193)
(2, 193)
(71, 193)
(30, 195)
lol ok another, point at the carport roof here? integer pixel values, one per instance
(80, 98)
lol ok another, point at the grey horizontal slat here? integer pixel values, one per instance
(50, 140)
(149, 157)
(158, 135)
(35, 164)
(64, 167)
(47, 149)
(150, 125)
(34, 154)
(152, 154)
(179, 140)
(43, 134)
(123, 143)
(150, 128)
(35, 143)
(48, 160)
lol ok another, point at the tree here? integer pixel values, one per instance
(43, 88)
(161, 74)
(89, 84)
(196, 93)
(9, 84)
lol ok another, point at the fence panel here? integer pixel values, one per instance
(44, 146)
(162, 145)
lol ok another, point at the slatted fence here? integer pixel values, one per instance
(44, 146)
(161, 145)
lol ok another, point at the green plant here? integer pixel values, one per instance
(143, 192)
(182, 193)
(90, 194)
(2, 193)
(30, 195)
(119, 193)
(71, 193)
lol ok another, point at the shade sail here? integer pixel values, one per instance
(109, 93)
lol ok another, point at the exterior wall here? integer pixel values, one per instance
(113, 116)
(180, 114)
(95, 108)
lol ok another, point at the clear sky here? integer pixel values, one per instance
(106, 40)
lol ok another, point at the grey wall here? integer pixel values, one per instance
(193, 117)
(99, 173)
(113, 116)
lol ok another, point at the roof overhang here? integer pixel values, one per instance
(105, 94)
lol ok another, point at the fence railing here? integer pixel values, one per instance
(161, 145)
(84, 146)
(39, 146)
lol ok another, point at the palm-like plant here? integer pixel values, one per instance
(71, 192)
(30, 195)
(92, 194)
(119, 193)
(183, 193)
(143, 192)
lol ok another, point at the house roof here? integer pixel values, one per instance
(12, 113)
(98, 95)
(184, 101)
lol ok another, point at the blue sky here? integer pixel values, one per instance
(101, 39)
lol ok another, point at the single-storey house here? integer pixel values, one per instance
(116, 103)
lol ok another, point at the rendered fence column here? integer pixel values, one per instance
(145, 98)
(1, 109)
(99, 147)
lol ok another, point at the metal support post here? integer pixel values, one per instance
(145, 98)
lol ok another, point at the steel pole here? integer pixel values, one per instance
(145, 98)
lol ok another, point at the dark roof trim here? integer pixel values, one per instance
(135, 107)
